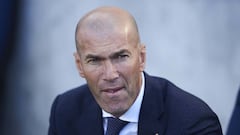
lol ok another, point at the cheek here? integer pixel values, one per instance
(92, 71)
(92, 77)
(130, 72)
(129, 67)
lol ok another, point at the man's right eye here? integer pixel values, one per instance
(93, 61)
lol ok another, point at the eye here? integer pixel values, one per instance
(122, 56)
(93, 61)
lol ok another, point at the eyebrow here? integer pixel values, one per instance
(115, 54)
(119, 53)
(91, 56)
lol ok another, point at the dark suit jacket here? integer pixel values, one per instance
(234, 124)
(166, 110)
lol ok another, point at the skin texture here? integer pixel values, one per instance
(110, 57)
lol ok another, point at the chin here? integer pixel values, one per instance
(117, 111)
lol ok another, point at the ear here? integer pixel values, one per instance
(142, 57)
(79, 64)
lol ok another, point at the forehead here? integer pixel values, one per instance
(105, 47)
(105, 41)
(98, 31)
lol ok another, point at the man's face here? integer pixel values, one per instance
(112, 67)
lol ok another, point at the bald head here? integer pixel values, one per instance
(105, 22)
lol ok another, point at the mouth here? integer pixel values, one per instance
(112, 90)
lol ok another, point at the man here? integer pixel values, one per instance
(111, 59)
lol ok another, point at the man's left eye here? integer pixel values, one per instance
(122, 56)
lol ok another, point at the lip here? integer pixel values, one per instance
(112, 90)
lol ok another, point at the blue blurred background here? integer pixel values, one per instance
(195, 44)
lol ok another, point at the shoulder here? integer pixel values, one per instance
(72, 101)
(75, 94)
(174, 96)
(72, 110)
(183, 109)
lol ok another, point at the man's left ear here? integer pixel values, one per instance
(142, 57)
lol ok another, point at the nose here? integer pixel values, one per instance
(110, 72)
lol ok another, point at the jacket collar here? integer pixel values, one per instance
(152, 119)
(93, 124)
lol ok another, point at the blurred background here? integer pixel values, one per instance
(194, 44)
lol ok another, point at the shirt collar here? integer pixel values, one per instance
(132, 113)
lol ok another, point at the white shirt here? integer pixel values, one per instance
(131, 115)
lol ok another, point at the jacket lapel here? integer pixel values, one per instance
(95, 122)
(152, 119)
(90, 122)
